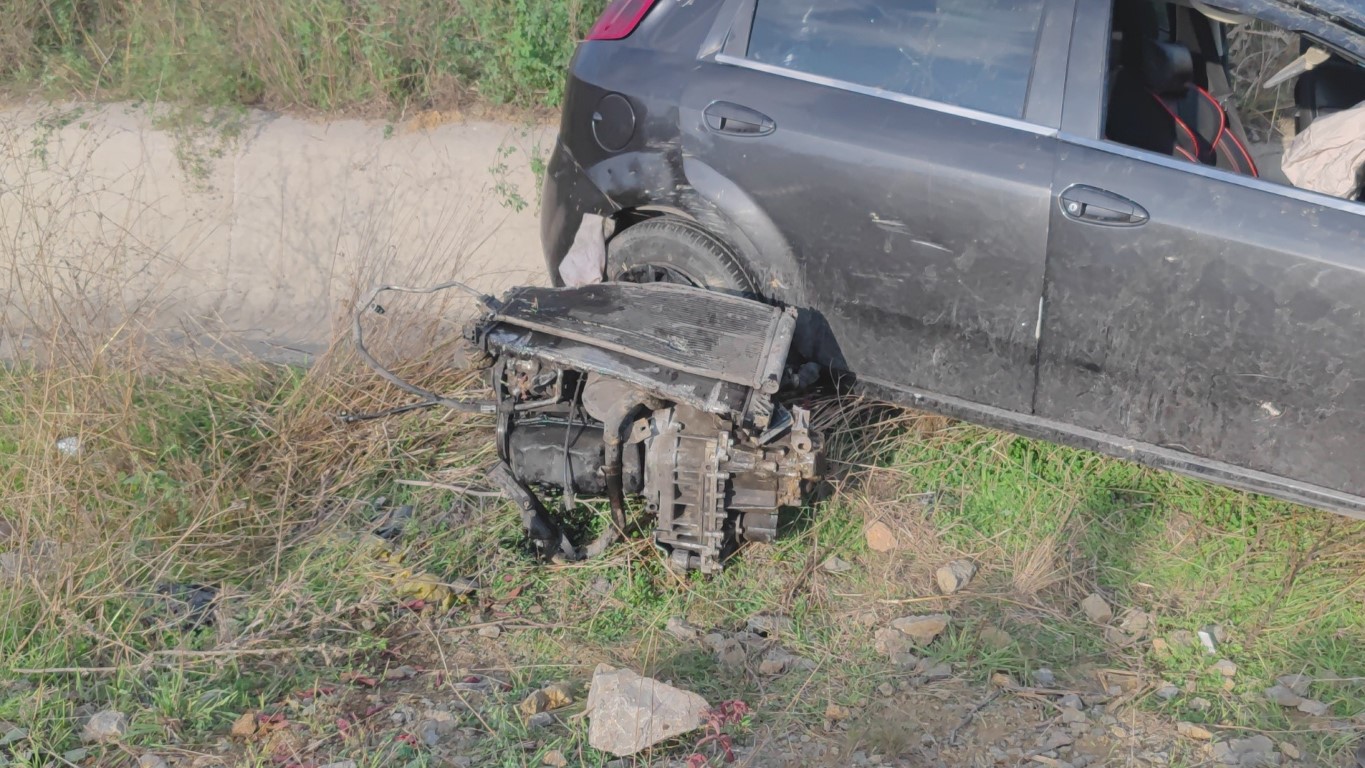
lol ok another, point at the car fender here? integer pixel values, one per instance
(685, 186)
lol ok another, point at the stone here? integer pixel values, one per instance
(1225, 667)
(11, 565)
(905, 660)
(11, 734)
(890, 642)
(104, 727)
(1097, 609)
(996, 638)
(492, 631)
(836, 712)
(1182, 638)
(1070, 701)
(540, 720)
(1057, 740)
(1200, 704)
(939, 670)
(1283, 696)
(679, 628)
(1071, 715)
(922, 629)
(431, 731)
(1044, 677)
(1255, 752)
(535, 702)
(555, 759)
(1167, 691)
(775, 662)
(1136, 623)
(836, 565)
(1116, 636)
(1193, 731)
(768, 624)
(732, 653)
(1299, 684)
(880, 537)
(1313, 707)
(340, 764)
(955, 576)
(628, 713)
(155, 761)
(1223, 754)
(1290, 751)
(1161, 647)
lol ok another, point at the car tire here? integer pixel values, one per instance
(667, 249)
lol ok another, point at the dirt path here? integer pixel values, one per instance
(258, 225)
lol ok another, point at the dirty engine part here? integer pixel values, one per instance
(661, 391)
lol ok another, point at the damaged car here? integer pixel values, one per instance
(1045, 216)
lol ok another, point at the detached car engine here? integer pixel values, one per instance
(661, 391)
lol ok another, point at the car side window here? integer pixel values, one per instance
(971, 53)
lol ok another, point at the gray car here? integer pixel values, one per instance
(1046, 216)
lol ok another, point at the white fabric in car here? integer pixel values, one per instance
(1329, 156)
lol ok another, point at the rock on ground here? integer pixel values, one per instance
(954, 576)
(1097, 609)
(105, 726)
(1299, 684)
(922, 629)
(996, 638)
(679, 628)
(769, 624)
(1283, 696)
(628, 713)
(835, 564)
(890, 642)
(1313, 707)
(1255, 752)
(1194, 731)
(880, 537)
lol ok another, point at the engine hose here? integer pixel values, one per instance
(429, 398)
(614, 428)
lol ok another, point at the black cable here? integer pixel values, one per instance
(429, 398)
(567, 499)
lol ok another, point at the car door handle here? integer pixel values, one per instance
(724, 117)
(1097, 206)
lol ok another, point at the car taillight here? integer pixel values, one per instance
(620, 19)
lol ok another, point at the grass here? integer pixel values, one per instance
(385, 56)
(235, 475)
(193, 469)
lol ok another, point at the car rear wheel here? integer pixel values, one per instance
(668, 249)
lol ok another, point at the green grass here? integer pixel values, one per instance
(326, 55)
(236, 476)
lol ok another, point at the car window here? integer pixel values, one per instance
(971, 53)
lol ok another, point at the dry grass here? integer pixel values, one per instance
(388, 56)
(1258, 51)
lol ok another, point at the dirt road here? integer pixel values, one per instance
(254, 227)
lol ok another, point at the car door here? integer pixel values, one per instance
(905, 151)
(1217, 316)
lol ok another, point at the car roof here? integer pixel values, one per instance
(1339, 22)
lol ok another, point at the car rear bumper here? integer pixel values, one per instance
(568, 194)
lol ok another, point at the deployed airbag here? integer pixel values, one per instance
(1329, 156)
